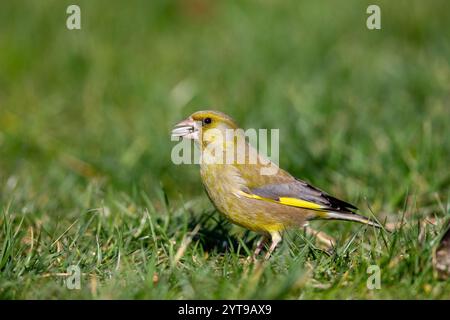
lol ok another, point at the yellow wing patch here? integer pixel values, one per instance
(293, 202)
(299, 203)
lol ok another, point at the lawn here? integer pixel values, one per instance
(86, 177)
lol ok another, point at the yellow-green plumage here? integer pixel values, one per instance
(267, 204)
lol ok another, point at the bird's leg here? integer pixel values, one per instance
(276, 238)
(259, 245)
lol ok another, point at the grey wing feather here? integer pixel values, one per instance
(304, 191)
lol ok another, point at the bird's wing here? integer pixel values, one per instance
(298, 193)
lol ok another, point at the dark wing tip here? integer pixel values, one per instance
(339, 205)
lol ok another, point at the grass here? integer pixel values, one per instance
(85, 171)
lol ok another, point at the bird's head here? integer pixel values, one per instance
(204, 126)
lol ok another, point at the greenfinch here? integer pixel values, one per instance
(265, 203)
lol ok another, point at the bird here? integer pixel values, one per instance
(268, 204)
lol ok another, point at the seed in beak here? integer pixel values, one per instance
(182, 130)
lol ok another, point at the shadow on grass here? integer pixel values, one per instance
(216, 233)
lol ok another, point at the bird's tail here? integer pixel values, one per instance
(351, 217)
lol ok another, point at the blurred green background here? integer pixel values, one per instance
(356, 108)
(362, 114)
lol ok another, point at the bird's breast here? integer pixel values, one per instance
(221, 182)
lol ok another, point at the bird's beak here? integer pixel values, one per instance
(186, 129)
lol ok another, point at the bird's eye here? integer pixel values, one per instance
(207, 120)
